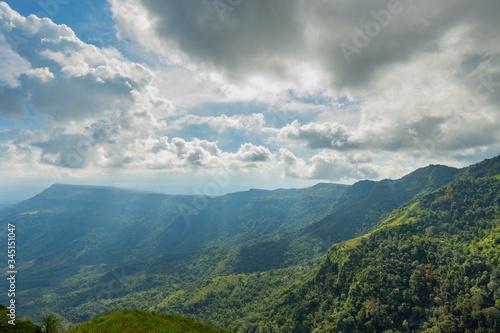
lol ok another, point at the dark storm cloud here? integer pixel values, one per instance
(255, 37)
(273, 36)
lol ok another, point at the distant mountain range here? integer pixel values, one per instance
(412, 254)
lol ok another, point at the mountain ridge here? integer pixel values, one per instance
(398, 278)
(258, 263)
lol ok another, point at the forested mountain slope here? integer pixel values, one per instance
(222, 260)
(433, 266)
(76, 240)
(67, 227)
(365, 204)
(358, 210)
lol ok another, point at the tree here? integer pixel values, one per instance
(51, 324)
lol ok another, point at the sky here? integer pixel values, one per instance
(216, 96)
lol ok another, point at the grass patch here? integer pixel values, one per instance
(30, 213)
(132, 321)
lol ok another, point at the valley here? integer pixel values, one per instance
(412, 254)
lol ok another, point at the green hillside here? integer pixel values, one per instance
(365, 204)
(261, 260)
(22, 326)
(433, 266)
(125, 321)
(133, 321)
(77, 241)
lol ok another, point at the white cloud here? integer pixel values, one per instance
(42, 74)
(265, 90)
(293, 166)
(406, 79)
(442, 99)
(184, 156)
(330, 165)
(251, 123)
(68, 79)
(249, 153)
(12, 65)
(336, 166)
(317, 135)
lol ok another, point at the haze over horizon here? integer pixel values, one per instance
(166, 95)
(217, 185)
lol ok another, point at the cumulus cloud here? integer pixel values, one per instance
(42, 74)
(68, 79)
(317, 135)
(12, 65)
(178, 154)
(440, 103)
(440, 100)
(252, 154)
(104, 145)
(106, 112)
(413, 68)
(250, 123)
(330, 165)
(293, 166)
(313, 89)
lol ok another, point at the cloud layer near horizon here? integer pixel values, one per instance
(330, 90)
